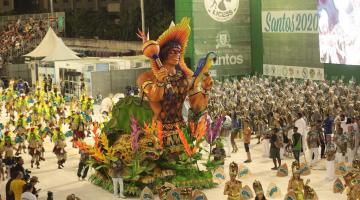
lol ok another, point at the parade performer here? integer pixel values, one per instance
(21, 104)
(351, 143)
(265, 140)
(77, 125)
(275, 146)
(235, 128)
(260, 125)
(118, 182)
(40, 94)
(83, 167)
(45, 83)
(2, 164)
(9, 153)
(352, 181)
(170, 81)
(297, 144)
(35, 147)
(313, 142)
(233, 187)
(341, 141)
(20, 131)
(259, 192)
(247, 139)
(59, 147)
(330, 160)
(296, 184)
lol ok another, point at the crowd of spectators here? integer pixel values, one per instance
(16, 35)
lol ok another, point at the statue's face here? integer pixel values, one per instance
(173, 57)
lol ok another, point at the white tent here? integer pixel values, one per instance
(52, 48)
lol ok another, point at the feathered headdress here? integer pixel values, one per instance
(179, 34)
(258, 187)
(233, 169)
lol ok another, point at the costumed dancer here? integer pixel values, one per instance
(2, 164)
(77, 125)
(59, 147)
(45, 83)
(258, 189)
(42, 133)
(9, 153)
(297, 144)
(234, 131)
(115, 169)
(300, 123)
(21, 104)
(35, 147)
(233, 187)
(247, 139)
(330, 160)
(265, 140)
(351, 143)
(313, 142)
(275, 146)
(352, 181)
(83, 167)
(341, 141)
(296, 184)
(226, 132)
(21, 134)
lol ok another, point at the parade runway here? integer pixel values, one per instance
(63, 182)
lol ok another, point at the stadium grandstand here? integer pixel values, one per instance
(19, 34)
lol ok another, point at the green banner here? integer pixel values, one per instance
(221, 26)
(290, 35)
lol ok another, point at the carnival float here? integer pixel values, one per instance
(155, 143)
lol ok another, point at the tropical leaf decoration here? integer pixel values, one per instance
(184, 141)
(192, 128)
(95, 127)
(201, 129)
(120, 121)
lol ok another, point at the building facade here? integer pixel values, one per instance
(6, 6)
(94, 5)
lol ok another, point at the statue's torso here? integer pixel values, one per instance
(173, 99)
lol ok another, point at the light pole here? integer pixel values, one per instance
(142, 16)
(51, 7)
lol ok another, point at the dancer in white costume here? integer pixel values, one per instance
(300, 123)
(330, 161)
(313, 141)
(266, 144)
(351, 143)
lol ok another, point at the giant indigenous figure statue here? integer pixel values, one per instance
(170, 81)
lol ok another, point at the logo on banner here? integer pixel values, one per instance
(221, 10)
(223, 40)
